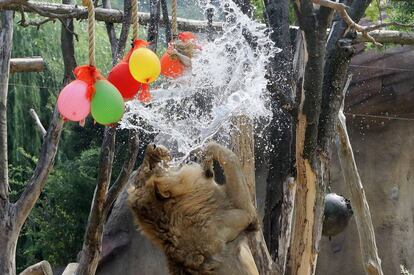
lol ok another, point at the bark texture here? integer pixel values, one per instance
(280, 161)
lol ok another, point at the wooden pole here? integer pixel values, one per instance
(369, 251)
(27, 64)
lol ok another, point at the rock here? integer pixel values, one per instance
(70, 269)
(41, 268)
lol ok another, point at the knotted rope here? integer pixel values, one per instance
(91, 30)
(135, 22)
(174, 19)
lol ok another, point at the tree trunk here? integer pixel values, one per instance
(6, 37)
(311, 163)
(153, 24)
(8, 239)
(92, 244)
(8, 232)
(243, 147)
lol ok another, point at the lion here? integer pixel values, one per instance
(200, 225)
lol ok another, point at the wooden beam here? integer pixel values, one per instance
(63, 11)
(27, 64)
(386, 36)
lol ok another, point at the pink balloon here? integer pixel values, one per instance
(73, 103)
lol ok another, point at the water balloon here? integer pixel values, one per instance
(73, 103)
(107, 104)
(144, 65)
(171, 66)
(122, 79)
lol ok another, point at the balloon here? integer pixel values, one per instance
(107, 104)
(186, 36)
(72, 102)
(144, 65)
(171, 66)
(122, 79)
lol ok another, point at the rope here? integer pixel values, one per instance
(174, 19)
(91, 30)
(135, 22)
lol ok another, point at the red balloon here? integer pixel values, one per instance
(122, 79)
(171, 66)
(186, 36)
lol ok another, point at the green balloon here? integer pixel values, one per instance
(107, 106)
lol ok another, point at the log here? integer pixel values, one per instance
(386, 36)
(369, 251)
(42, 268)
(63, 11)
(27, 64)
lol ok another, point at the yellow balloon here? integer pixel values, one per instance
(144, 65)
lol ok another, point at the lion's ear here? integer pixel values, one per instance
(161, 192)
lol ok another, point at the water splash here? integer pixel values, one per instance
(227, 79)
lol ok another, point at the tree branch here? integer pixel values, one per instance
(386, 36)
(38, 122)
(388, 24)
(123, 36)
(152, 36)
(340, 8)
(6, 35)
(369, 251)
(166, 20)
(110, 29)
(67, 47)
(92, 244)
(24, 23)
(124, 175)
(44, 165)
(62, 11)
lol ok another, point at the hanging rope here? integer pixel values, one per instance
(91, 30)
(174, 19)
(135, 19)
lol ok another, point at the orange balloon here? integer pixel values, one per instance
(171, 66)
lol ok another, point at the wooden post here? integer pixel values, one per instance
(370, 258)
(243, 147)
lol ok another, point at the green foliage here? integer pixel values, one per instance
(55, 228)
(259, 9)
(401, 11)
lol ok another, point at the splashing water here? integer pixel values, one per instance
(227, 79)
